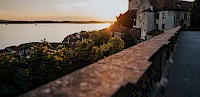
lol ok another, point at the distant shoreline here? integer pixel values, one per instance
(39, 22)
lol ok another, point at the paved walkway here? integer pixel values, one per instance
(184, 73)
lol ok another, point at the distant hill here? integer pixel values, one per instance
(1, 20)
(30, 22)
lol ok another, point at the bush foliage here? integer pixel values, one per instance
(18, 74)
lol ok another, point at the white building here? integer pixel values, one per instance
(160, 14)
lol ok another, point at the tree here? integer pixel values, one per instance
(195, 13)
(125, 20)
(129, 39)
(86, 51)
(85, 34)
(99, 37)
(43, 64)
(117, 44)
(114, 45)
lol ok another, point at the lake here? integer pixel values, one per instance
(16, 34)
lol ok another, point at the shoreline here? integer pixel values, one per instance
(53, 22)
(9, 44)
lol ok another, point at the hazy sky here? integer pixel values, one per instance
(62, 9)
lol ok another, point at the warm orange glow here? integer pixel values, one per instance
(108, 9)
(62, 9)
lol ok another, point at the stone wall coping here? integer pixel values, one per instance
(105, 77)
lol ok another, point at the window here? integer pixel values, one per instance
(143, 8)
(178, 5)
(140, 19)
(178, 16)
(144, 15)
(163, 15)
(157, 26)
(181, 16)
(157, 15)
(185, 15)
(140, 16)
(163, 26)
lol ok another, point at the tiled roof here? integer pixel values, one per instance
(117, 29)
(135, 32)
(15, 48)
(163, 4)
(155, 32)
(170, 5)
(55, 45)
(186, 5)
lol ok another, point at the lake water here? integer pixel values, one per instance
(16, 34)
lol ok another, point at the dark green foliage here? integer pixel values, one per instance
(85, 51)
(195, 14)
(85, 34)
(115, 44)
(125, 20)
(99, 37)
(129, 39)
(19, 74)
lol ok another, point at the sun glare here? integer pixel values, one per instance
(108, 9)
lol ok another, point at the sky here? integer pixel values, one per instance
(62, 9)
(59, 10)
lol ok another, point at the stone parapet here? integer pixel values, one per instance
(133, 71)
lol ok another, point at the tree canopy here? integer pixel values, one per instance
(195, 13)
(42, 64)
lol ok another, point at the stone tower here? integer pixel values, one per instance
(134, 4)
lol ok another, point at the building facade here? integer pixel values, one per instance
(134, 4)
(162, 15)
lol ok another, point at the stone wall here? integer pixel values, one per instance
(133, 71)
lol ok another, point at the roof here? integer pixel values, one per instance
(15, 48)
(170, 5)
(148, 10)
(155, 32)
(54, 45)
(27, 45)
(186, 5)
(117, 29)
(135, 32)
